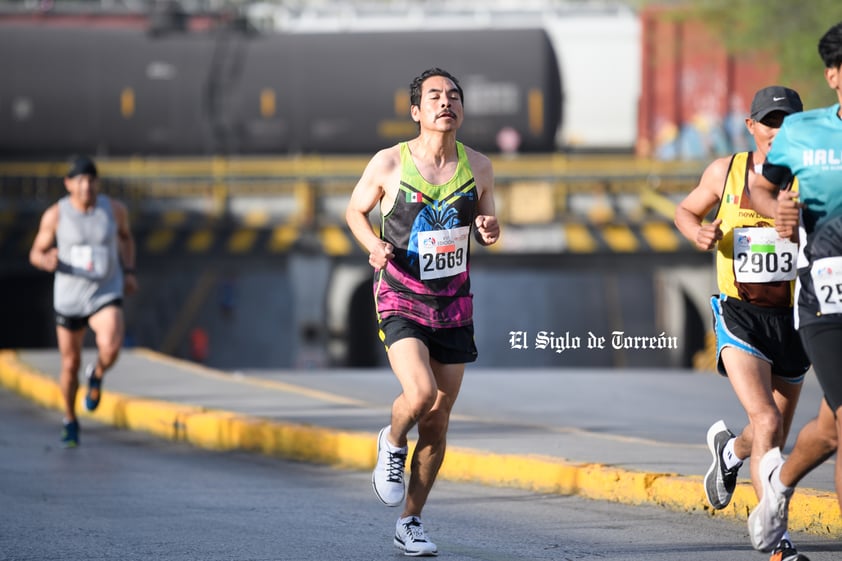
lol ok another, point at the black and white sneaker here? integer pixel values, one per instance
(787, 552)
(410, 537)
(387, 477)
(720, 481)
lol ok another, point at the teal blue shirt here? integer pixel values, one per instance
(810, 145)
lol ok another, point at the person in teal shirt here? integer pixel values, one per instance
(809, 147)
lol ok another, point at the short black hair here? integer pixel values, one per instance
(415, 86)
(830, 47)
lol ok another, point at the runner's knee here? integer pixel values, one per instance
(108, 343)
(420, 402)
(434, 425)
(71, 363)
(767, 421)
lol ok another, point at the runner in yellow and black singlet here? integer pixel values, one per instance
(757, 346)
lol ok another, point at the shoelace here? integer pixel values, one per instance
(395, 467)
(415, 530)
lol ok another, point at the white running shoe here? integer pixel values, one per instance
(410, 537)
(767, 522)
(387, 478)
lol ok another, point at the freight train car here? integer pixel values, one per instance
(599, 112)
(114, 91)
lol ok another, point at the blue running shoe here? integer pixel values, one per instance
(70, 434)
(94, 388)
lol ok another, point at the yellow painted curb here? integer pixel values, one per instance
(811, 511)
(202, 427)
(30, 384)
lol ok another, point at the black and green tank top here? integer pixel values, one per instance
(430, 228)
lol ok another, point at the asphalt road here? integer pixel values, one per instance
(126, 495)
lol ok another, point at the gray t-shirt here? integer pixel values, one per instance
(89, 274)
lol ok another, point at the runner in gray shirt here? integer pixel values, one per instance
(85, 240)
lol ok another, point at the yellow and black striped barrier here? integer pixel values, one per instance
(336, 240)
(161, 236)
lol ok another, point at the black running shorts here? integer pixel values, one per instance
(821, 341)
(75, 323)
(767, 333)
(449, 345)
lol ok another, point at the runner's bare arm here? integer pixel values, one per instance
(487, 226)
(125, 246)
(782, 205)
(690, 213)
(44, 254)
(371, 189)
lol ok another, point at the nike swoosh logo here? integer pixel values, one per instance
(778, 98)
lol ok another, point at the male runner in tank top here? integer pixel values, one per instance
(757, 346)
(809, 147)
(85, 240)
(434, 195)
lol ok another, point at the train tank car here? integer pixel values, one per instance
(127, 92)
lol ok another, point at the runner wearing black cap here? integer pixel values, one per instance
(757, 346)
(85, 240)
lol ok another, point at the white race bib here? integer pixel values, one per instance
(827, 284)
(760, 255)
(444, 253)
(89, 260)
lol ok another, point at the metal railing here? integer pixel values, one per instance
(529, 189)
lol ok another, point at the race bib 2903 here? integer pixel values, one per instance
(760, 255)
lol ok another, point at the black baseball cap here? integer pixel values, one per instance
(82, 165)
(775, 98)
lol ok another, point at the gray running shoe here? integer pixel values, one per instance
(719, 481)
(767, 522)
